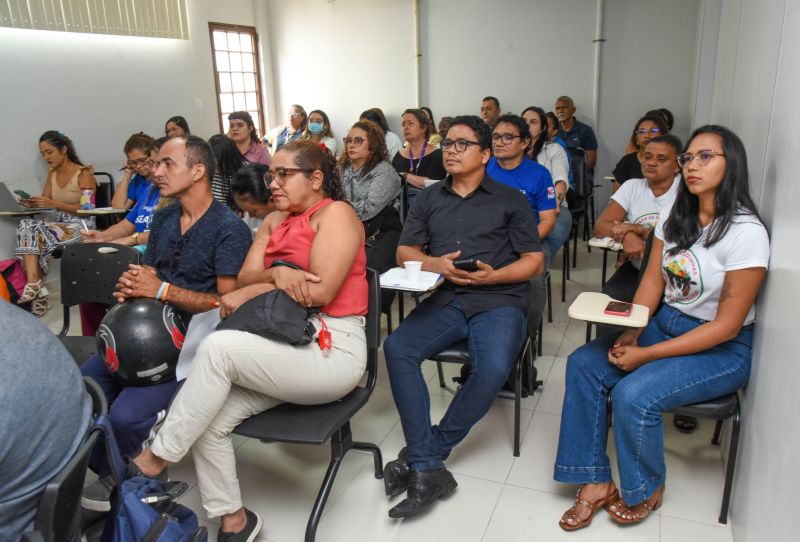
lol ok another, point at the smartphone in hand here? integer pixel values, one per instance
(466, 264)
(22, 194)
(618, 308)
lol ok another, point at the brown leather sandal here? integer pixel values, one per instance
(591, 506)
(624, 514)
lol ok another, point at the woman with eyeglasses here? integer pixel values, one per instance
(318, 130)
(372, 185)
(137, 176)
(294, 128)
(237, 374)
(70, 186)
(709, 258)
(629, 166)
(242, 131)
(633, 211)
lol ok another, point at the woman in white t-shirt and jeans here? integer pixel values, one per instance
(633, 211)
(709, 257)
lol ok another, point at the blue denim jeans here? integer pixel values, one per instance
(495, 337)
(556, 239)
(133, 411)
(638, 400)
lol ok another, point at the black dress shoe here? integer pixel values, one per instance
(395, 474)
(424, 488)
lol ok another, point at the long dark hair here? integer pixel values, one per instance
(544, 135)
(229, 159)
(311, 155)
(249, 181)
(658, 120)
(61, 142)
(732, 197)
(180, 122)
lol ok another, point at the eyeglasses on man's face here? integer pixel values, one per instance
(505, 138)
(702, 157)
(457, 145)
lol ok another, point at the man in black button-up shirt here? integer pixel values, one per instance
(468, 215)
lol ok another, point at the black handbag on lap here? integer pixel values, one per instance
(273, 315)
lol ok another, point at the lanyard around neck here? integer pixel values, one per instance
(411, 167)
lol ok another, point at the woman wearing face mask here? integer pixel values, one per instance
(295, 126)
(319, 130)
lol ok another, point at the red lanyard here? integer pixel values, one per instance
(411, 168)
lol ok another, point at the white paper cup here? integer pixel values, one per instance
(413, 269)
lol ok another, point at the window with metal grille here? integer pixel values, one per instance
(235, 53)
(147, 18)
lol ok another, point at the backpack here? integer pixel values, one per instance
(143, 509)
(14, 277)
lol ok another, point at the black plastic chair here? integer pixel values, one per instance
(102, 198)
(58, 517)
(316, 424)
(719, 409)
(579, 204)
(459, 353)
(89, 274)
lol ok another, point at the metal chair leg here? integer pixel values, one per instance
(588, 331)
(517, 402)
(376, 456)
(564, 271)
(441, 374)
(539, 338)
(726, 493)
(715, 440)
(322, 497)
(549, 299)
(575, 228)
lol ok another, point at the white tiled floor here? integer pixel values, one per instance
(499, 498)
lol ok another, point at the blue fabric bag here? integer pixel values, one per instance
(142, 509)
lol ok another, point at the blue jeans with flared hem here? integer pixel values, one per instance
(638, 400)
(494, 338)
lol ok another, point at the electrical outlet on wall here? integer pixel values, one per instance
(198, 104)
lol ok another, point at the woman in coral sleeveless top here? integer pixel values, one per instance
(236, 374)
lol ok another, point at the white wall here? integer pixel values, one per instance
(523, 52)
(100, 89)
(757, 83)
(647, 63)
(341, 56)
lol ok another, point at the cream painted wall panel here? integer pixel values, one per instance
(767, 474)
(754, 80)
(647, 63)
(524, 52)
(343, 57)
(100, 89)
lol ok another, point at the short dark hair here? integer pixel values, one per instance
(180, 121)
(668, 139)
(198, 151)
(376, 115)
(249, 181)
(655, 118)
(139, 141)
(477, 125)
(492, 99)
(518, 122)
